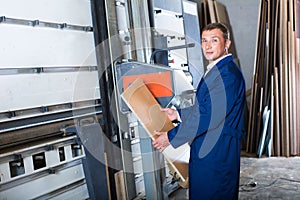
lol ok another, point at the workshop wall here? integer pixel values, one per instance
(243, 16)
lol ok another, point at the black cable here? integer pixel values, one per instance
(254, 185)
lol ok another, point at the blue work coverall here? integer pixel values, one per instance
(213, 127)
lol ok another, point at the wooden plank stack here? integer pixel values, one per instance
(276, 81)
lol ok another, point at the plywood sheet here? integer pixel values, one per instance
(212, 12)
(147, 110)
(221, 13)
(222, 17)
(120, 186)
(277, 114)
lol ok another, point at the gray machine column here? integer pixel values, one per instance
(153, 167)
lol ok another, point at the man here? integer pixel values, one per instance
(213, 125)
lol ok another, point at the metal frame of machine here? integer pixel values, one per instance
(59, 95)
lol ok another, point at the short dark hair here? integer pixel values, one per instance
(220, 26)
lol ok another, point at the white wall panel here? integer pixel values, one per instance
(75, 12)
(168, 24)
(26, 46)
(22, 91)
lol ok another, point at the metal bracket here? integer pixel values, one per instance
(69, 130)
(2, 19)
(37, 22)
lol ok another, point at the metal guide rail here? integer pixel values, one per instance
(38, 70)
(19, 119)
(25, 22)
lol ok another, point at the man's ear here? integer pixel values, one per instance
(227, 44)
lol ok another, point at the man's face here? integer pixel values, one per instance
(214, 44)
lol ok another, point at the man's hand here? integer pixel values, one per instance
(161, 142)
(172, 113)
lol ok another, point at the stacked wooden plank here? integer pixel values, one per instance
(276, 81)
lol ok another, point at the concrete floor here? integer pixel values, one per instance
(270, 178)
(264, 178)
